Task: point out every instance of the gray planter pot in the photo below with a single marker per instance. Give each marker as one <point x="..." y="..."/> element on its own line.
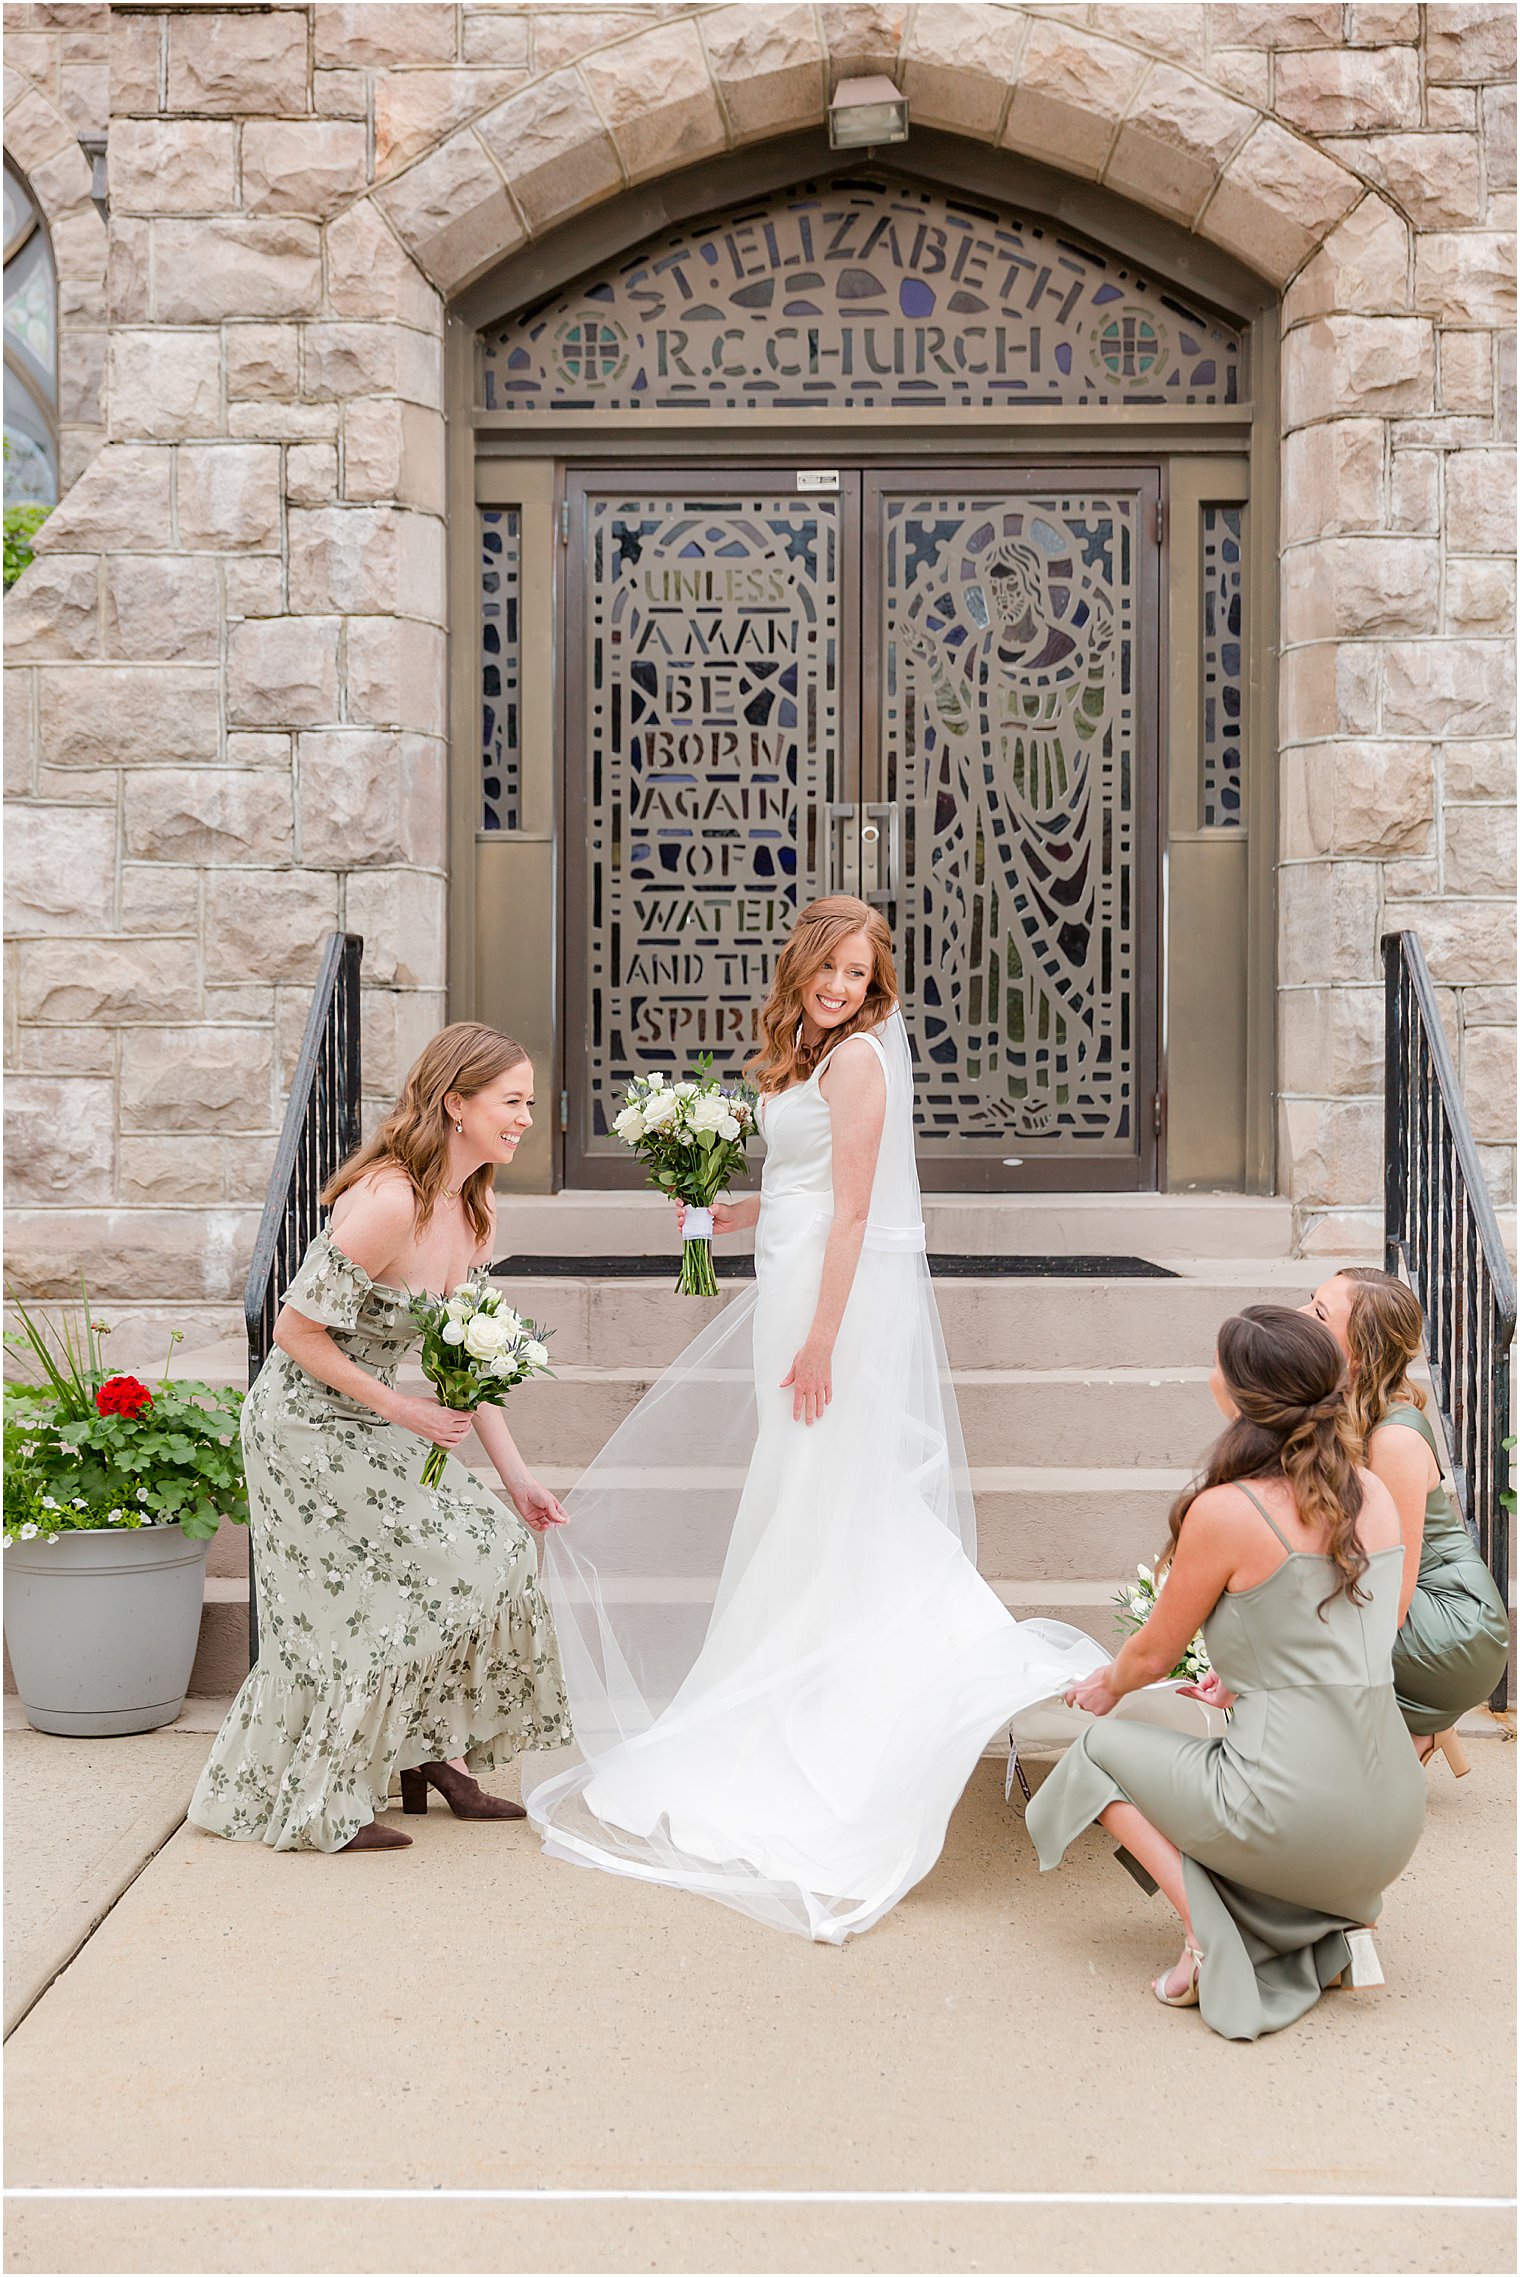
<point x="102" y="1627"/>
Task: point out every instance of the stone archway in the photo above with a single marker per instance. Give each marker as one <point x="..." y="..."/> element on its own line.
<point x="46" y="148"/>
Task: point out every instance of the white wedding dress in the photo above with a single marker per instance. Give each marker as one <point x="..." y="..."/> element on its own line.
<point x="781" y="1660"/>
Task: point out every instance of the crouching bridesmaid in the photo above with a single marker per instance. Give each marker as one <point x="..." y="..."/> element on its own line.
<point x="400" y="1626"/>
<point x="1276" y="1842"/>
<point x="1453" y="1642"/>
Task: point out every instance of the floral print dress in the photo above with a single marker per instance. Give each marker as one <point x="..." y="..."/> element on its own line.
<point x="397" y="1624"/>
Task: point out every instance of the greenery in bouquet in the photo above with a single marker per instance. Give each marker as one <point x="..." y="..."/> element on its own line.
<point x="88" y="1449"/>
<point x="691" y="1138"/>
<point x="1135" y="1604"/>
<point x="475" y="1349"/>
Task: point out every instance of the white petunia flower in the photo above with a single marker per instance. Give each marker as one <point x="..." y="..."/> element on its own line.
<point x="28" y="1532"/>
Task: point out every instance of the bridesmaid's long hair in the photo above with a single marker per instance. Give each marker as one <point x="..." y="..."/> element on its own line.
<point x="781" y="1058"/>
<point x="415" y="1134"/>
<point x="1285" y="1374"/>
<point x="1383" y="1333"/>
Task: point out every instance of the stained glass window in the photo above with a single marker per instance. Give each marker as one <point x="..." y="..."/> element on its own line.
<point x="1223" y="680"/>
<point x="500" y="668"/>
<point x="862" y="292"/>
<point x="31" y="351"/>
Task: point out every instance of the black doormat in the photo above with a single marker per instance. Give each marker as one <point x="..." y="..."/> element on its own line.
<point x="943" y="1268"/>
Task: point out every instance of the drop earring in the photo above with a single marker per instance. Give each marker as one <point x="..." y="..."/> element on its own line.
<point x="459" y="1127"/>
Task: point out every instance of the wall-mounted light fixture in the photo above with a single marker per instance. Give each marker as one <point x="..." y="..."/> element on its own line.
<point x="865" y="112"/>
<point x="94" y="148"/>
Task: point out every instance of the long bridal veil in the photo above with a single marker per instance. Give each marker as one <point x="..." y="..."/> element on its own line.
<point x="781" y="1661"/>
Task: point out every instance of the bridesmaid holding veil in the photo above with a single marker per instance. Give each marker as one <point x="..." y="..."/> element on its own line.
<point x="781" y="1660"/>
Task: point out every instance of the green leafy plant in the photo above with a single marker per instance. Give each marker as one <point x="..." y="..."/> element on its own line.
<point x="83" y="1448"/>
<point x="21" y="525"/>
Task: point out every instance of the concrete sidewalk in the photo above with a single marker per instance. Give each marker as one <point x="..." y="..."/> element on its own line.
<point x="468" y="2016"/>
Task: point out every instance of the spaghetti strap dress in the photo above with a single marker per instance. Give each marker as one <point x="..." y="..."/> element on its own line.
<point x="398" y="1624"/>
<point x="1451" y="1649"/>
<point x="1294" y="1823"/>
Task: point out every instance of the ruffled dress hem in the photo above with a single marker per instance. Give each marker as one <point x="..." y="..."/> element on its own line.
<point x="329" y="1750"/>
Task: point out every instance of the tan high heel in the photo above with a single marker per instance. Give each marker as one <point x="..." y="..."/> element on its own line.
<point x="1188" y="1997"/>
<point x="1364" y="1971"/>
<point x="1445" y="1743"/>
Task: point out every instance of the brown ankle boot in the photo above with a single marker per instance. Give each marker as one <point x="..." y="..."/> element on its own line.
<point x="378" y="1837"/>
<point x="465" y="1796"/>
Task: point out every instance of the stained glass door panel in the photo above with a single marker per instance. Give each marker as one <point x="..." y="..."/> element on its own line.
<point x="711" y="725"/>
<point x="1010" y="739"/>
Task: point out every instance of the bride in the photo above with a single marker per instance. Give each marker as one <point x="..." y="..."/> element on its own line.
<point x="781" y="1660"/>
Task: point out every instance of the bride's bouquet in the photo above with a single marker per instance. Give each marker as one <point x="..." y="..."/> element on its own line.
<point x="475" y="1349"/>
<point x="690" y="1138"/>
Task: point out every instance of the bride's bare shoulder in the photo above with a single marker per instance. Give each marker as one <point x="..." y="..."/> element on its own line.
<point x="854" y="1067"/>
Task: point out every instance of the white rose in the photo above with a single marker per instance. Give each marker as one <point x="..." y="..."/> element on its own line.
<point x="708" y="1113"/>
<point x="484" y="1337"/>
<point x="453" y="1331"/>
<point x="537" y="1353"/>
<point x="729" y="1127"/>
<point x="629" y="1125"/>
<point x="686" y="1090"/>
<point x="503" y="1365"/>
<point x="657" y="1083"/>
<point x="660" y="1111"/>
<point x="459" y="1306"/>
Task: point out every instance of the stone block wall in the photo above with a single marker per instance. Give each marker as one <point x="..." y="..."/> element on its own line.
<point x="226" y="717"/>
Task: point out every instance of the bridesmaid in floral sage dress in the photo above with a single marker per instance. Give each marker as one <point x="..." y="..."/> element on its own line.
<point x="401" y="1628"/>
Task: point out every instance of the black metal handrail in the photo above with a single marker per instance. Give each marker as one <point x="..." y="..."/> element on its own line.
<point x="321" y="1128"/>
<point x="1439" y="1229"/>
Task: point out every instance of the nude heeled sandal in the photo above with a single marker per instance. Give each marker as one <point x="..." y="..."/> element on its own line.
<point x="1364" y="1971"/>
<point x="1188" y="1997"/>
<point x="1446" y="1743"/>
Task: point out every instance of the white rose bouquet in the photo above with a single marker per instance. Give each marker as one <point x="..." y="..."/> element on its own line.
<point x="475" y="1348"/>
<point x="691" y="1138"/>
<point x="1135" y="1604"/>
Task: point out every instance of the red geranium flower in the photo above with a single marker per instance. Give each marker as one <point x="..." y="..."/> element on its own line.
<point x="123" y="1395"/>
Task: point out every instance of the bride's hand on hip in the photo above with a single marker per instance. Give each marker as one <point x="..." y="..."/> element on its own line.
<point x="430" y="1419"/>
<point x="1094" y="1693"/>
<point x="810" y="1379"/>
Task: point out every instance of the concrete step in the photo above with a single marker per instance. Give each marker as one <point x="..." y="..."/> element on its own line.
<point x="221" y="1656"/>
<point x="580" y="1223"/>
<point x="990" y="1322"/>
<point x="1127" y="1416"/>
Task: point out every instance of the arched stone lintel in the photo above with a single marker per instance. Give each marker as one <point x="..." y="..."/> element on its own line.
<point x="645" y="108"/>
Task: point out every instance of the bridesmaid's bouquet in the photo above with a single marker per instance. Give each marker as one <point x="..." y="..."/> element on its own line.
<point x="475" y="1349"/>
<point x="690" y="1138"/>
<point x="1135" y="1604"/>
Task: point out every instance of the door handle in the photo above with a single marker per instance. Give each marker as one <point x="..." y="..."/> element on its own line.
<point x="843" y="870"/>
<point x="881" y="851"/>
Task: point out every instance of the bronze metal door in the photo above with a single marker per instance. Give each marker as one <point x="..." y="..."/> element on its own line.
<point x="713" y="754"/>
<point x="935" y="689"/>
<point x="1009" y="678"/>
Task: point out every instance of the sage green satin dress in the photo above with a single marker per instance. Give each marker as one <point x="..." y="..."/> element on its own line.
<point x="1291" y="1825"/>
<point x="1449" y="1655"/>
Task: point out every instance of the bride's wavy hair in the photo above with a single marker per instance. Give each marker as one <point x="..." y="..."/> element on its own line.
<point x="1384" y="1329"/>
<point x="415" y="1134"/>
<point x="781" y="1058"/>
<point x="1285" y="1373"/>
